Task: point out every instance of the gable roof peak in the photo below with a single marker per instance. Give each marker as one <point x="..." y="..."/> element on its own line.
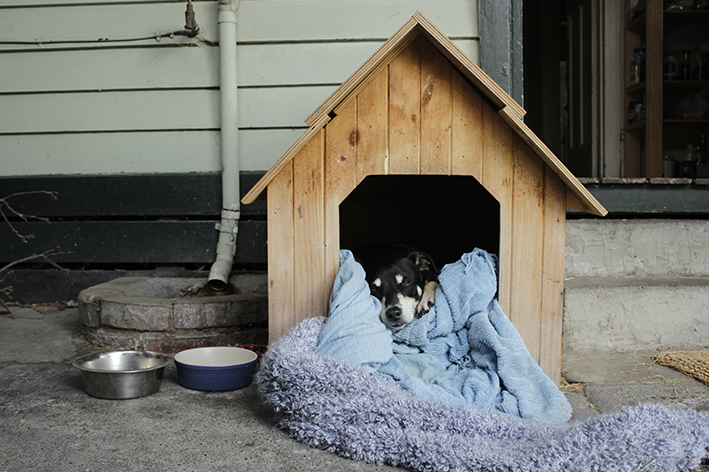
<point x="505" y="106"/>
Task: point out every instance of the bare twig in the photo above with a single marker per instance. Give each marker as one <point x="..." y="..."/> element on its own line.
<point x="6" y="309"/>
<point x="6" y="291"/>
<point x="45" y="255"/>
<point x="4" y="203"/>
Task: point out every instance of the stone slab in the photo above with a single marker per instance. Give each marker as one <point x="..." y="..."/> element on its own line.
<point x="636" y="313"/>
<point x="644" y="248"/>
<point x="617" y="379"/>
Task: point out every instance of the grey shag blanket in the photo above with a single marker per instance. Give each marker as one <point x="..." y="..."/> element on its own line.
<point x="327" y="404"/>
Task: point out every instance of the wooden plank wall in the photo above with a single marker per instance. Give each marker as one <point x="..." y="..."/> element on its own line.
<point x="146" y="106"/>
<point x="419" y="116"/>
<point x="108" y="226"/>
<point x="126" y="219"/>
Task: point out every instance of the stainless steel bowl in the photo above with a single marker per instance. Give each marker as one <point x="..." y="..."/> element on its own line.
<point x="122" y="374"/>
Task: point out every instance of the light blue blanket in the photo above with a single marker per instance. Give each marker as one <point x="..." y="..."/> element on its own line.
<point x="464" y="351"/>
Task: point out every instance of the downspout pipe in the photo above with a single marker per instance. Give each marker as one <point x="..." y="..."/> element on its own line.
<point x="231" y="207"/>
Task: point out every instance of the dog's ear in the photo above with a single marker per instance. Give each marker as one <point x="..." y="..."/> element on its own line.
<point x="423" y="262"/>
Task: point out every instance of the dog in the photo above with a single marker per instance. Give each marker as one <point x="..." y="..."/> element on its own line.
<point x="405" y="282"/>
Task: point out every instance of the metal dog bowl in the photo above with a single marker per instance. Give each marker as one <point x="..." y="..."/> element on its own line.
<point x="122" y="374"/>
<point x="215" y="368"/>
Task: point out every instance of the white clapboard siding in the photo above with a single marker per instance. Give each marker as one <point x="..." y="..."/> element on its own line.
<point x="117" y="21"/>
<point x="287" y="20"/>
<point x="258" y="20"/>
<point x="45" y="3"/>
<point x="153" y="106"/>
<point x="166" y="110"/>
<point x="144" y="68"/>
<point x="109" y="69"/>
<point x="137" y="152"/>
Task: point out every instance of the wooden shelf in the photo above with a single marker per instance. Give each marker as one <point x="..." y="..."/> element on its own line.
<point x="686" y="15"/>
<point x="637" y="23"/>
<point x="636" y="88"/>
<point x="636" y="126"/>
<point x="686" y="122"/>
<point x="685" y="84"/>
<point x="648" y="141"/>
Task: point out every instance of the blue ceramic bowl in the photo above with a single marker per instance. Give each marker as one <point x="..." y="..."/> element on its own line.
<point x="215" y="368"/>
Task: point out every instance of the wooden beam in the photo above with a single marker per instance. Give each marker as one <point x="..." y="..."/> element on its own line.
<point x="131" y="242"/>
<point x="281" y="280"/>
<point x="405" y="110"/>
<point x="126" y="195"/>
<point x="436" y="106"/>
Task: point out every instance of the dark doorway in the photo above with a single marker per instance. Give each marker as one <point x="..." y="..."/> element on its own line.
<point x="445" y="216"/>
<point x="558" y="78"/>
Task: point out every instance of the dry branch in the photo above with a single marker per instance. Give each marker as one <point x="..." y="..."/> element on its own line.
<point x="4" y="203"/>
<point x="6" y="291"/>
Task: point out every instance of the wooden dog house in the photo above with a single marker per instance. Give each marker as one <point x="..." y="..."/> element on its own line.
<point x="419" y="108"/>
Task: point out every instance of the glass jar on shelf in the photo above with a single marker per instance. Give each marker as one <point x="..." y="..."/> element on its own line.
<point x="637" y="66"/>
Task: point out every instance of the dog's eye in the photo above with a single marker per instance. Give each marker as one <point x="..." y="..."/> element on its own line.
<point x="405" y="282"/>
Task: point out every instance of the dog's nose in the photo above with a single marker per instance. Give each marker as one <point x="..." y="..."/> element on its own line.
<point x="393" y="313"/>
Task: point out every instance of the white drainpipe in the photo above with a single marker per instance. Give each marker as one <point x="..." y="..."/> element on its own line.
<point x="229" y="226"/>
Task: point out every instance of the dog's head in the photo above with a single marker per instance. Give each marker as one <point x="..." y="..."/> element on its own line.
<point x="398" y="279"/>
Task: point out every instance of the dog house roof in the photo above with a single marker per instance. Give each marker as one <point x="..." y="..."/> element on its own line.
<point x="506" y="107"/>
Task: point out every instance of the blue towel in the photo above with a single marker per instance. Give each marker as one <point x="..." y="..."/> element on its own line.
<point x="464" y="351"/>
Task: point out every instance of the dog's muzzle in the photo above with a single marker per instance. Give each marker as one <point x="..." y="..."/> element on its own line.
<point x="393" y="314"/>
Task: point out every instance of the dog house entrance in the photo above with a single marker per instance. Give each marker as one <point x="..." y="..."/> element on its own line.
<point x="445" y="216"/>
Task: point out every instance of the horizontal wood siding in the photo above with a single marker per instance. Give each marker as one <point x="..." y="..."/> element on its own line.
<point x="127" y="219"/>
<point x="145" y="105"/>
<point x="134" y="151"/>
<point x="131" y="242"/>
<point x="171" y="109"/>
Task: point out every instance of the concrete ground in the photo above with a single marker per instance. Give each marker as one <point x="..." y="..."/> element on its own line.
<point x="48" y="422"/>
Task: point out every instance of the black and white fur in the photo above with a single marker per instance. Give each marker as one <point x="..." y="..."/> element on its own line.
<point x="405" y="282"/>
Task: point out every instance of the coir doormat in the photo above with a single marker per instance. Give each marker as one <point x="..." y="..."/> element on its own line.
<point x="692" y="363"/>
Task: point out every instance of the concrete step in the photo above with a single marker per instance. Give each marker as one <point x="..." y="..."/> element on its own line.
<point x="640" y="248"/>
<point x="630" y="313"/>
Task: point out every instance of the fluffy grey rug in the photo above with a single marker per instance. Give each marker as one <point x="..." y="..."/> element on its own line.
<point x="329" y="405"/>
